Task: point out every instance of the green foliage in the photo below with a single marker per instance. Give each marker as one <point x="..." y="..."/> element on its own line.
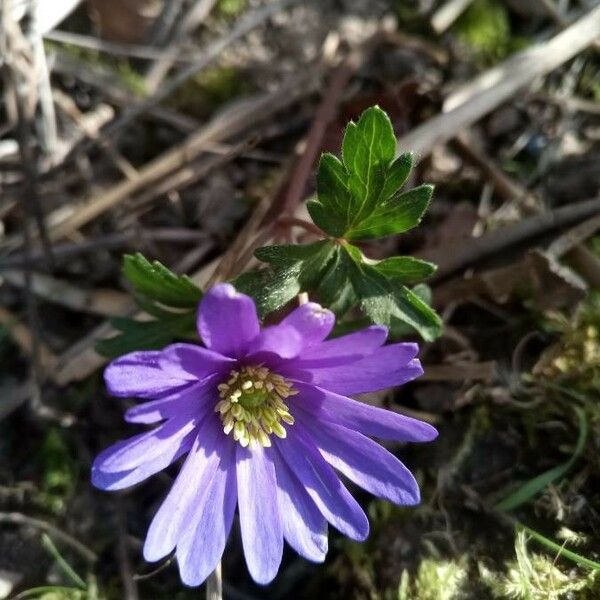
<point x="358" y="197"/>
<point x="157" y="283"/>
<point x="171" y="299"/>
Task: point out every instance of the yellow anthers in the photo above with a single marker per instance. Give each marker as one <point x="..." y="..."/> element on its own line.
<point x="251" y="405"/>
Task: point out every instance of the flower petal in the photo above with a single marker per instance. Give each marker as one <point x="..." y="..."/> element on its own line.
<point x="387" y="367"/>
<point x="277" y="341"/>
<point x="190" y="361"/>
<point x="304" y="527"/>
<point x="313" y="323"/>
<point x="262" y="536"/>
<point x="139" y="374"/>
<point x="227" y="320"/>
<point x="364" y="462"/>
<point x="195" y="398"/>
<point x="198" y="470"/>
<point x="369" y="420"/>
<point x="145" y="447"/>
<point x="344" y="349"/>
<point x="118" y="481"/>
<point x="322" y="484"/>
<point x="202" y="544"/>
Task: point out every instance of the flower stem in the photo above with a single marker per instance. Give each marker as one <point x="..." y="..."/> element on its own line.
<point x="214" y="585"/>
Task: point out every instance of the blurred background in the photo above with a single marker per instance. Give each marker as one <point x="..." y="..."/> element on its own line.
<point x="189" y="130"/>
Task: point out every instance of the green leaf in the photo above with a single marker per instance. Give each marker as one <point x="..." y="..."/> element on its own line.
<point x="396" y="216"/>
<point x="367" y="149"/>
<point x="537" y="484"/>
<point x="405" y="269"/>
<point x="397" y="175"/>
<point x="146" y="335"/>
<point x="270" y="289"/>
<point x="294" y="268"/>
<point x="155" y="281"/>
<point x="411" y="309"/>
<point x="335" y="288"/>
<point x="383" y="301"/>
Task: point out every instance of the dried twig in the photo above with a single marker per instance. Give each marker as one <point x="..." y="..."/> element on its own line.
<point x="495" y="86"/>
<point x="477" y="249"/>
<point x="221" y="128"/>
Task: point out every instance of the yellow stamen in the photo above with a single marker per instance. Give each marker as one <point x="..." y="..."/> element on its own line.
<point x="251" y="405"/>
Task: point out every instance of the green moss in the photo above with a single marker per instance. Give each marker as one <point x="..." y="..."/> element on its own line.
<point x="208" y="90"/>
<point x="532" y="576"/>
<point x="59" y="471"/>
<point x="485" y="28"/>
<point x="230" y="8"/>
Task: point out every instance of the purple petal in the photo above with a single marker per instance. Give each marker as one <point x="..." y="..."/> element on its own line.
<point x="304" y="527"/>
<point x="277" y="341"/>
<point x="322" y="484"/>
<point x="227" y="320"/>
<point x="312" y="322"/>
<point x="262" y="536"/>
<point x="198" y="470"/>
<point x="119" y="481"/>
<point x="203" y="541"/>
<point x="147" y="446"/>
<point x="139" y="374"/>
<point x="369" y="420"/>
<point x="387" y="367"/>
<point x="193" y="400"/>
<point x="192" y="362"/>
<point x="363" y="461"/>
<point x="343" y="350"/>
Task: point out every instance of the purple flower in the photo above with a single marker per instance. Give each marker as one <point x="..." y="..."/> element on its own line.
<point x="264" y="418"/>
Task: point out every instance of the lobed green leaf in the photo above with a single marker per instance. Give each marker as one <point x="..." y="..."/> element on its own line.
<point x="158" y="283"/>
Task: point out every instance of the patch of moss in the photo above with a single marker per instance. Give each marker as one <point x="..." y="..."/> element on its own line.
<point x="208" y="90"/>
<point x="537" y="577"/>
<point x="59" y="471"/>
<point x="575" y="359"/>
<point x="230" y="8"/>
<point x="485" y="28"/>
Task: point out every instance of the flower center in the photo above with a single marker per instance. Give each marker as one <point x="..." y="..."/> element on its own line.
<point x="252" y="406"/>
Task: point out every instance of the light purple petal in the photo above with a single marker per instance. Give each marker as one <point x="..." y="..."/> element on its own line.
<point x="304" y="527"/>
<point x="145" y="447"/>
<point x="312" y="322"/>
<point x="262" y="536"/>
<point x="139" y="374"/>
<point x="198" y="470"/>
<point x="369" y="420"/>
<point x="344" y="349"/>
<point x="118" y="481"/>
<point x="387" y="367"/>
<point x="193" y="362"/>
<point x="205" y="534"/>
<point x="363" y="461"/>
<point x="227" y="320"/>
<point x="195" y="398"/>
<point x="277" y="341"/>
<point x="322" y="484"/>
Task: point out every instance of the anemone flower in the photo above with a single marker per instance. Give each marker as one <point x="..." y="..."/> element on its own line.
<point x="266" y="421"/>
